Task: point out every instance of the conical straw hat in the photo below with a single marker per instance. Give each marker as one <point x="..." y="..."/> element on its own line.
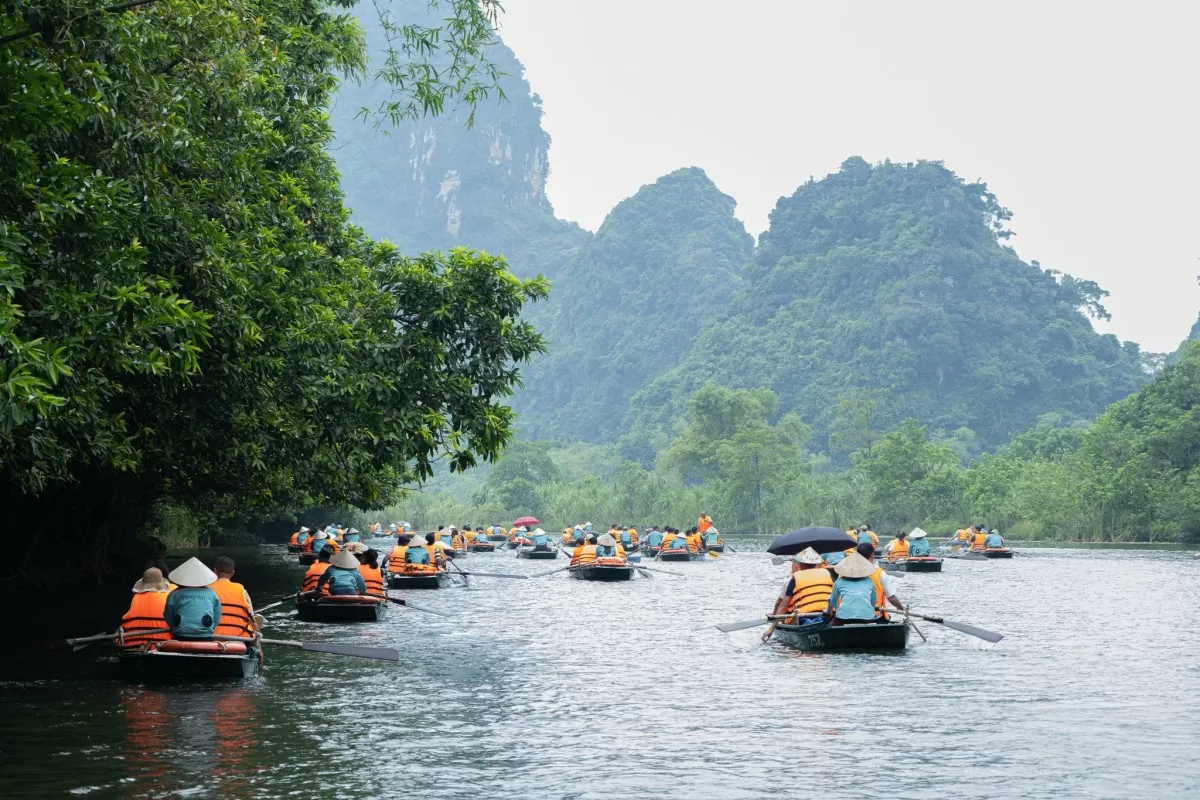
<point x="855" y="566"/>
<point x="606" y="539"/>
<point x="192" y="574"/>
<point x="808" y="556"/>
<point x="345" y="560"/>
<point x="917" y="533"/>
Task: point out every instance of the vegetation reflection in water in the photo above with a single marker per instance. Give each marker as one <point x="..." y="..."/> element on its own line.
<point x="546" y="687"/>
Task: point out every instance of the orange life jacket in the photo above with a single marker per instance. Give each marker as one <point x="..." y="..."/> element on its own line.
<point x="978" y="539"/>
<point x="693" y="543"/>
<point x="880" y="596"/>
<point x="373" y="577"/>
<point x="899" y="549"/>
<point x="704" y="524"/>
<point x="667" y="539"/>
<point x="633" y="535"/>
<point x="587" y="554"/>
<point x="396" y="559"/>
<point x="295" y="540"/>
<point x="810" y="591"/>
<point x="236" y="619"/>
<point x="310" y="578"/>
<point x="578" y="551"/>
<point x="145" y="612"/>
<point x="962" y="535"/>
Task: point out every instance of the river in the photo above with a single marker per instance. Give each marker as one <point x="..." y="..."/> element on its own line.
<point x="558" y="688"/>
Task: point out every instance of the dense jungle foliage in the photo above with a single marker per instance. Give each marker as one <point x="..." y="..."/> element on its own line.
<point x="187" y="317"/>
<point x="1134" y="475"/>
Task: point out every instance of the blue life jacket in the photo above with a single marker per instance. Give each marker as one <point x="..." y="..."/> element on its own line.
<point x="626" y="538"/>
<point x="351" y="537"/>
<point x="865" y="538"/>
<point x="834" y="558"/>
<point x="446" y="538"/>
<point x="344" y="581"/>
<point x="541" y="540"/>
<point x="654" y="538"/>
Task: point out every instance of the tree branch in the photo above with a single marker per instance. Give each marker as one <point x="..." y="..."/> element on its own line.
<point x="25" y="34"/>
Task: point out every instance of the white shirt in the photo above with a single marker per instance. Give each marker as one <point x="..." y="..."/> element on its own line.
<point x="890" y="583"/>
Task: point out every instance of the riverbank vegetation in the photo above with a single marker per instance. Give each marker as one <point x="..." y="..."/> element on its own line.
<point x="1131" y="476"/>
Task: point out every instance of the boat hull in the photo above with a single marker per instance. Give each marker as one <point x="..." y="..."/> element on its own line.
<point x="675" y="555"/>
<point x="325" y="611"/>
<point x="999" y="553"/>
<point x="306" y="559"/>
<point x="715" y="548"/>
<point x="606" y="574"/>
<point x="917" y="565"/>
<point x="497" y="538"/>
<point x="892" y="636"/>
<point x="481" y="548"/>
<point x="153" y="665"/>
<point x="398" y="581"/>
<point x="293" y="548"/>
<point x="539" y="555"/>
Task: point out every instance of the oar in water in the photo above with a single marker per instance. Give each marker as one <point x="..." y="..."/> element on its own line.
<point x="961" y="627"/>
<point x="379" y="653"/>
<point x="466" y="580"/>
<point x="663" y="571"/>
<point x="408" y="604"/>
<point x="287" y="599"/>
<point x="83" y="641"/>
<point x="730" y="547"/>
<point x="641" y="570"/>
<point x="551" y="572"/>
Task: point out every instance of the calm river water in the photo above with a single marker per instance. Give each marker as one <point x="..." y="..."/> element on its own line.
<point x="559" y="688"/>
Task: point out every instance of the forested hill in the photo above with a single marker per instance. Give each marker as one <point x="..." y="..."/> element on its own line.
<point x="436" y="184"/>
<point x="890" y="287"/>
<point x="628" y="305"/>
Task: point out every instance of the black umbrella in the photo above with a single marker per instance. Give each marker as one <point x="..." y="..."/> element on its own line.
<point x="823" y="540"/>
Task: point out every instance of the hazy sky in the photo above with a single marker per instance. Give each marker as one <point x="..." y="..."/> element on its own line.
<point x="1081" y="116"/>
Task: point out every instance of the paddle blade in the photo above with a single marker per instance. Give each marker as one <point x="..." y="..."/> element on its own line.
<point x="777" y="560"/>
<point x="378" y="653"/>
<point x="727" y="627"/>
<point x="713" y="555"/>
<point x="971" y="630"/>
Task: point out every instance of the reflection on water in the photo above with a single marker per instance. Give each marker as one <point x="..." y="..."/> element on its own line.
<point x="559" y="688"/>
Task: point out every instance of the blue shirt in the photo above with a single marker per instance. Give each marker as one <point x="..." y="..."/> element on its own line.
<point x="343" y="581"/>
<point x="678" y="543"/>
<point x="541" y="540"/>
<point x="919" y="547"/>
<point x="654" y="538"/>
<point x="193" y="613"/>
<point x="302" y="538"/>
<point x="853" y="598"/>
<point x="993" y="540"/>
<point x="351" y="537"/>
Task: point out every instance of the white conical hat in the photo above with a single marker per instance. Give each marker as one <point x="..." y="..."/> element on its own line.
<point x="606" y="539"/>
<point x="917" y="533"/>
<point x="345" y="560"/>
<point x="192" y="574"/>
<point x="539" y="532"/>
<point x="808" y="556"/>
<point x="303" y="530"/>
<point x="854" y="566"/>
<point x="354" y="547"/>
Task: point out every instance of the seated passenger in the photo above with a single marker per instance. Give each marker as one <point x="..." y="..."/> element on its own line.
<point x="192" y="611"/>
<point x="343" y="577"/>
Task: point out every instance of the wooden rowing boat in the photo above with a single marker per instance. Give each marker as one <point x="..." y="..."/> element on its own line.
<point x="602" y="572"/>
<point x="306" y="559"/>
<point x="481" y="547"/>
<point x="295" y="548"/>
<point x="537" y="554"/>
<point x="715" y="548"/>
<point x="822" y="637"/>
<point x="496" y="537"/>
<point x="915" y="564"/>
<point x="353" y="608"/>
<point x="512" y="544"/>
<point x="651" y="550"/>
<point x="174" y="660"/>
<point x="400" y="580"/>
<point x="996" y="552"/>
<point x="678" y="555"/>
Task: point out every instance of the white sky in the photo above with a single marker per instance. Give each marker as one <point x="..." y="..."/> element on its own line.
<point x="1081" y="116"/>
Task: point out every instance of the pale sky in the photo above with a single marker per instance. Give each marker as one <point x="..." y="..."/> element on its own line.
<point x="1081" y="116"/>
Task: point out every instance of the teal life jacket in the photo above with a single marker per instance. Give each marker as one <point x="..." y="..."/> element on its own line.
<point x="854" y="598"/>
<point x="993" y="540"/>
<point x="446" y="538"/>
<point x="541" y="540"/>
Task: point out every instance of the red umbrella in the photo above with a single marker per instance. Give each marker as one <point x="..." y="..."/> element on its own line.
<point x="525" y="521"/>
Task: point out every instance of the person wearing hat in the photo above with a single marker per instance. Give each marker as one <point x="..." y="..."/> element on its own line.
<point x="865" y="534"/>
<point x="299" y="537"/>
<point x="352" y="535"/>
<point x="993" y="539"/>
<point x="368" y="567"/>
<point x="855" y="598"/>
<point x="147" y="611"/>
<point x="316" y="542"/>
<point x="806" y="594"/>
<point x="193" y="610"/>
<point x="608" y="547"/>
<point x="919" y="547"/>
<point x="580" y="535"/>
<point x="898" y="547"/>
<point x="540" y="539"/>
<point x="884" y="583"/>
<point x="343" y="576"/>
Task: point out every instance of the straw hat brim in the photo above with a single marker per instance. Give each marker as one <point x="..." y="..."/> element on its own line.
<point x="606" y="540"/>
<point x="917" y="533"/>
<point x="345" y="560"/>
<point x="855" y="566"/>
<point x="192" y="574"/>
<point x="354" y="547"/>
<point x="808" y="556"/>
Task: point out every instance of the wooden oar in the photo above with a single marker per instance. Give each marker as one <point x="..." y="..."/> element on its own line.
<point x="466" y="581"/>
<point x="83" y="641"/>
<point x="498" y="575"/>
<point x="379" y="653"/>
<point x="727" y="627"/>
<point x="408" y="604"/>
<point x="287" y="599"/>
<point x="664" y="571"/>
<point x="961" y="627"/>
<point x="551" y="572"/>
<point x="727" y="544"/>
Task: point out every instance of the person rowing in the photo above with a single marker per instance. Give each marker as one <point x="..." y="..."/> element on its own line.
<point x="806" y="593"/>
<point x="897" y="548"/>
<point x="343" y="577"/>
<point x="193" y="610"/>
<point x="540" y="540"/>
<point x="885" y="583"/>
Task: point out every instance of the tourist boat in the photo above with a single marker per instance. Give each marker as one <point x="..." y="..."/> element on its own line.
<point x="417" y="580"/>
<point x="306" y="559"/>
<point x="678" y="555"/>
<point x="531" y="552"/>
<point x="513" y="544"/>
<point x="821" y="637"/>
<point x="915" y="564"/>
<point x="480" y="547"/>
<point x="997" y="552"/>
<point x="604" y="569"/>
<point x="497" y="537"/>
<point x="716" y="548"/>
<point x="651" y="550"/>
<point x="295" y="548"/>
<point x="343" y="608"/>
<point x="174" y="660"/>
